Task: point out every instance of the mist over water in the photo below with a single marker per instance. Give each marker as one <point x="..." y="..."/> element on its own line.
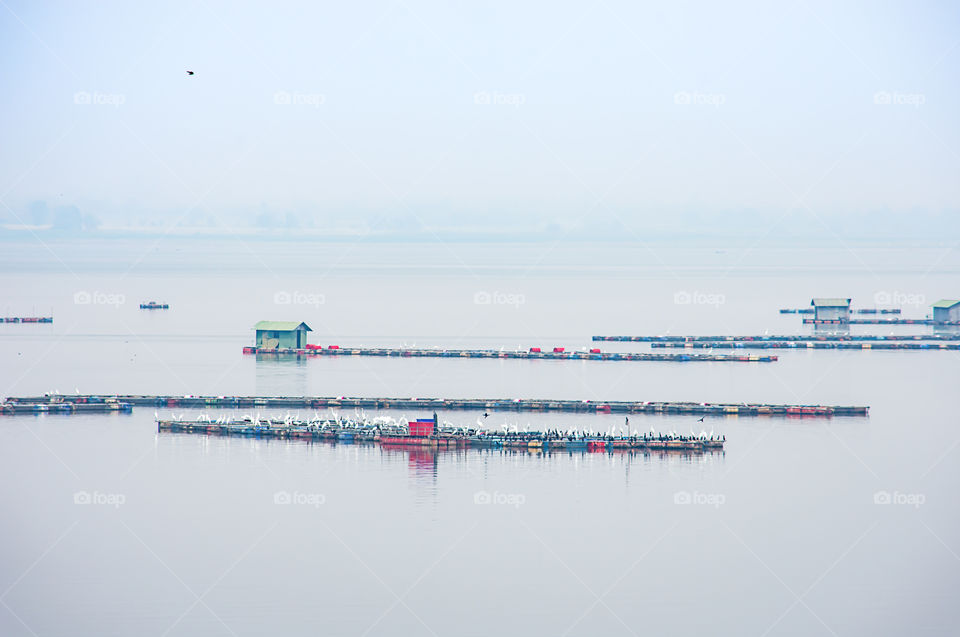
<point x="799" y="527"/>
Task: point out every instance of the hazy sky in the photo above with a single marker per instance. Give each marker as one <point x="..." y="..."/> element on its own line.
<point x="468" y="107"/>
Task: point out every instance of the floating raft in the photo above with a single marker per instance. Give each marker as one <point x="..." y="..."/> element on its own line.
<point x="524" y="355"/>
<point x="27" y="319"/>
<point x="475" y="404"/>
<point x="863" y="310"/>
<point x="351" y="433"/>
<point x="877" y="321"/>
<point x="808" y="345"/>
<point x="802" y="338"/>
<point x="11" y="408"/>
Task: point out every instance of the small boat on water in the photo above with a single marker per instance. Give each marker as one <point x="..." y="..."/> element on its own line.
<point x="153" y="305"/>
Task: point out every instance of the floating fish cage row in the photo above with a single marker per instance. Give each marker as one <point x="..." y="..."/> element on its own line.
<point x="800" y="338"/>
<point x="476" y="404"/>
<point x="477" y="440"/>
<point x="27" y="319"/>
<point x="877" y="321"/>
<point x="525" y="355"/>
<point x="808" y="345"/>
<point x="64" y="407"/>
<point x="862" y="310"/>
<point x="153" y="305"/>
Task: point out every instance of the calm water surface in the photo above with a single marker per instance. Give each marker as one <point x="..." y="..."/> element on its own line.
<point x="782" y="534"/>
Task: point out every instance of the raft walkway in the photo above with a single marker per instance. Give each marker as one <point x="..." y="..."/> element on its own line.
<point x="26" y="319"/>
<point x="862" y="310"/>
<point x="800" y="338"/>
<point x="474" y="404"/>
<point x="449" y="437"/>
<point x="558" y="354"/>
<point x="12" y="408"/>
<point x="901" y="346"/>
<point x="877" y="321"/>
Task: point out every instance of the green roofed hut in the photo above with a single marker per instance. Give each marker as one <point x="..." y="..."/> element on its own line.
<point x="946" y="311"/>
<point x="831" y="309"/>
<point x="281" y="334"/>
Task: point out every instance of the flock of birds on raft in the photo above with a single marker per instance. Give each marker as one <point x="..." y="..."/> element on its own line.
<point x="362" y="427"/>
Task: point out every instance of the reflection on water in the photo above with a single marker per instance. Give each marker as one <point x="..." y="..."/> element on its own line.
<point x="281" y="374"/>
<point x="422" y="468"/>
<point x="424" y="463"/>
<point x="947" y="330"/>
<point x="837" y="329"/>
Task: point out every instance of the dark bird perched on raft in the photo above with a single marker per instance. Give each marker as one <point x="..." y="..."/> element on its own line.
<point x="485" y="414"/>
<point x="701" y="418"/>
<point x="189" y="72"/>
